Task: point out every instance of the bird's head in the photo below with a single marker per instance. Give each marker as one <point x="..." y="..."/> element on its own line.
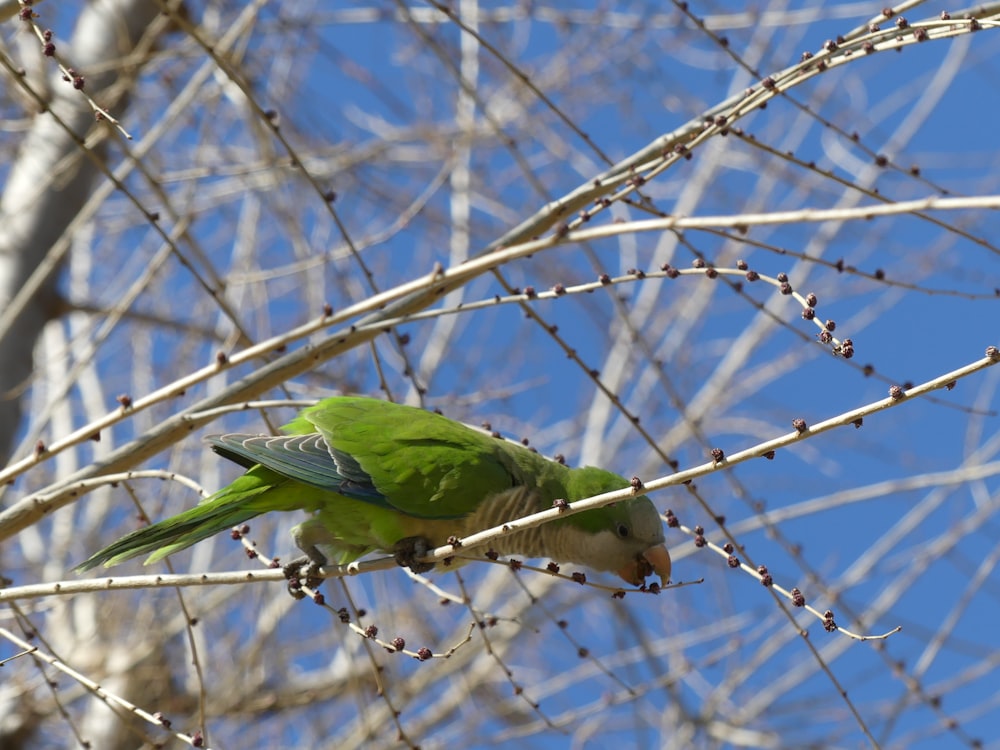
<point x="625" y="538"/>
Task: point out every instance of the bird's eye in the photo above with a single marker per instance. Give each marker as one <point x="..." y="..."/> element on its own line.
<point x="623" y="531"/>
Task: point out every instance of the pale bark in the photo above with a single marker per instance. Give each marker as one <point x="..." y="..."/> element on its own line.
<point x="49" y="182"/>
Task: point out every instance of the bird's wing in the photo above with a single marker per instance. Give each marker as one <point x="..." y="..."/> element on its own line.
<point x="304" y="458"/>
<point x="421" y="463"/>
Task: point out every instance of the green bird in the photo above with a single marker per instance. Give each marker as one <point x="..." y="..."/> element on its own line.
<point x="380" y="476"/>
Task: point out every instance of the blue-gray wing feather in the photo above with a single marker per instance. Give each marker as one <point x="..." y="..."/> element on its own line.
<point x="304" y="458"/>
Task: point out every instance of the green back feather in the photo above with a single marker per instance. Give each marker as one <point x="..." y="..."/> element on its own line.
<point x="424" y="464"/>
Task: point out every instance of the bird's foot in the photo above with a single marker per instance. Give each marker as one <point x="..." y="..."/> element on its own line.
<point x="303" y="571"/>
<point x="409" y="550"/>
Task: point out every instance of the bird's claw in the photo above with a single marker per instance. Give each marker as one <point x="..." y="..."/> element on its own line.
<point x="409" y="550"/>
<point x="303" y="571"/>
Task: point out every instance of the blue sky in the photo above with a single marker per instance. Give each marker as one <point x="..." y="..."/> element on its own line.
<point x="651" y="86"/>
<point x="372" y="104"/>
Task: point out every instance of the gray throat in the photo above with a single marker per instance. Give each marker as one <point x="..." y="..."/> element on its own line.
<point x="554" y="540"/>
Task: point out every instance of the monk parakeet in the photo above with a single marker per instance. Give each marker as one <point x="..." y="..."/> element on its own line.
<point x="380" y="476"/>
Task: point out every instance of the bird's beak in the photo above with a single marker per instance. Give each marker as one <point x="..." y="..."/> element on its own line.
<point x="654" y="560"/>
<point x="659" y="559"/>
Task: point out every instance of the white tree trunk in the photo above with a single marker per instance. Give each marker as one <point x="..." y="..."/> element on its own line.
<point x="48" y="184"/>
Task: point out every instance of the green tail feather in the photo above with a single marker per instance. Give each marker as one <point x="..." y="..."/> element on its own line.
<point x="242" y="500"/>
